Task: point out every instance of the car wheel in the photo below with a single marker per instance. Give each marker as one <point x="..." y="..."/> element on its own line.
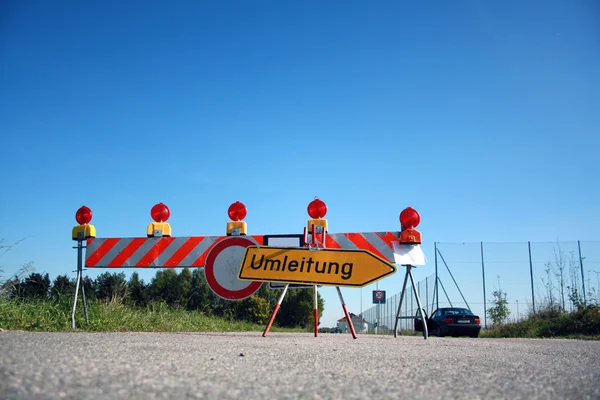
<point x="438" y="331"/>
<point x="474" y="335"/>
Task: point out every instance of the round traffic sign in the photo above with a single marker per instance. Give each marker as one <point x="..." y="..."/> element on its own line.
<point x="222" y="266"/>
<point x="379" y="295"/>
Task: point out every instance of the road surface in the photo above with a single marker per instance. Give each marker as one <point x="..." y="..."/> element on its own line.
<point x="292" y="365"/>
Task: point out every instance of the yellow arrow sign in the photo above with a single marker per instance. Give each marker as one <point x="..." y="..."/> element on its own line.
<point x="336" y="267"/>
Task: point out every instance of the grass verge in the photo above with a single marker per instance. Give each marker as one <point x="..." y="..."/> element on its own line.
<point x="51" y="316"/>
<point x="552" y="323"/>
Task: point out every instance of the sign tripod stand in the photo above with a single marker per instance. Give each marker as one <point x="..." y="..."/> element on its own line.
<point x="421" y="311"/>
<point x="316" y="245"/>
<point x="84" y="231"/>
<point x="78" y="283"/>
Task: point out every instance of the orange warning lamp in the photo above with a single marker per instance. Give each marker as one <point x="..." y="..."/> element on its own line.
<point x="237" y="212"/>
<point x="160" y="213"/>
<point x="409" y="220"/>
<point x="317" y="209"/>
<point x="84" y="230"/>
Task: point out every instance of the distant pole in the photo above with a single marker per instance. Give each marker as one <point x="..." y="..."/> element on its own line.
<point x="518" y="316"/>
<point x="589" y="285"/>
<point x="531" y="277"/>
<point x="377" y="319"/>
<point x="597" y="286"/>
<point x="412" y="305"/>
<point x="484" y="297"/>
<point x="427" y="296"/>
<point x="377" y="305"/>
<point x="361" y="308"/>
<point x="437" y="293"/>
<point x="582" y="277"/>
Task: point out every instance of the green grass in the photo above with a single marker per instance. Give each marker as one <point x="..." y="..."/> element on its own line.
<point x="55" y="316"/>
<point x="51" y="316"/>
<point x="582" y="324"/>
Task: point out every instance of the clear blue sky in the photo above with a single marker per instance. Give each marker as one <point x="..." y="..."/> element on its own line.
<point x="484" y="116"/>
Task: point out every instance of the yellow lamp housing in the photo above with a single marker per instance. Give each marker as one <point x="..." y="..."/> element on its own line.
<point x="319" y="223"/>
<point x="83" y="232"/>
<point x="236" y="228"/>
<point x="159" y="229"/>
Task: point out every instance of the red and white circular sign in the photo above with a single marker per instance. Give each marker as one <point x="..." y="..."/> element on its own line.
<point x="379" y="295"/>
<point x="222" y="266"/>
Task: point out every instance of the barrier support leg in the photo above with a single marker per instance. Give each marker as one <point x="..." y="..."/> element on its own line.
<point x="276" y="310"/>
<point x="350" y="323"/>
<point x="79" y="272"/>
<point x="316" y="311"/>
<point x="421" y="310"/>
<point x="400" y="305"/>
<point x="87" y="320"/>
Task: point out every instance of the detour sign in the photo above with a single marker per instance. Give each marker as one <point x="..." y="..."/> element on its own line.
<point x="335" y="267"/>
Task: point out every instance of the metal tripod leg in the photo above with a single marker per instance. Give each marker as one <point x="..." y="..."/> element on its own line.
<point x="421" y="311"/>
<point x="79" y="273"/>
<point x="316" y="310"/>
<point x="75" y="298"/>
<point x="87" y="321"/>
<point x="400" y="305"/>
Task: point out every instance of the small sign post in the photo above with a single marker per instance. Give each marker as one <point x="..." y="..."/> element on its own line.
<point x="378" y="296"/>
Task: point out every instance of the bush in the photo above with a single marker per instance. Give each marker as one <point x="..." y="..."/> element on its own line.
<point x="254" y="309"/>
<point x="552" y="322"/>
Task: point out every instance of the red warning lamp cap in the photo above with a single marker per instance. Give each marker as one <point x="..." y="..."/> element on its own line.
<point x="237" y="211"/>
<point x="83" y="215"/>
<point x="317" y="209"/>
<point x="409" y="218"/>
<point x="160" y="212"/>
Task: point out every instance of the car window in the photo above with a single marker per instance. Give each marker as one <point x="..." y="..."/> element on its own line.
<point x="457" y="311"/>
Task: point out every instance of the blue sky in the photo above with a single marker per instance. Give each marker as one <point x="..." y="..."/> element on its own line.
<point x="483" y="116"/>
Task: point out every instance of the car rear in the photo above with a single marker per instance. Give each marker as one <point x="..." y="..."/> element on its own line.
<point x="462" y="324"/>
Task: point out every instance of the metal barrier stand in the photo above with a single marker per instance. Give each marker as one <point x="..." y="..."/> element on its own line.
<point x="316" y="245"/>
<point x="421" y="310"/>
<point x="79" y="248"/>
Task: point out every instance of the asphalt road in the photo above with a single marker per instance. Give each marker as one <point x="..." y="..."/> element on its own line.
<point x="282" y="366"/>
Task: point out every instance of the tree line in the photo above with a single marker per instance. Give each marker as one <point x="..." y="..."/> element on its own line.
<point x="186" y="289"/>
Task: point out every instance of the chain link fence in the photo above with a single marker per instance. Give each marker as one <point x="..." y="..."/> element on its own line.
<point x="530" y="276"/>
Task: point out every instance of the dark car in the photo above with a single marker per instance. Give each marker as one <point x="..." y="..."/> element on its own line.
<point x="450" y="321"/>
